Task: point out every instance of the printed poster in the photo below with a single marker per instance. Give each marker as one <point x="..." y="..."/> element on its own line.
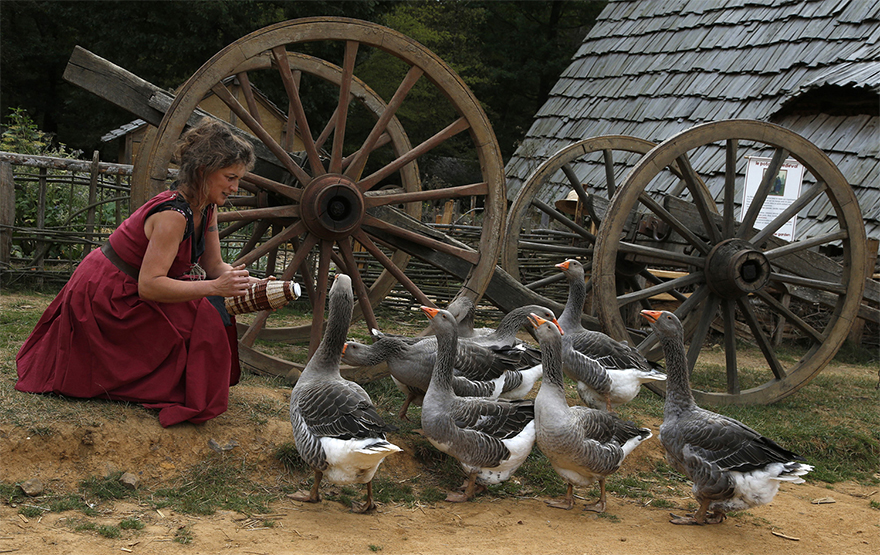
<point x="784" y="190"/>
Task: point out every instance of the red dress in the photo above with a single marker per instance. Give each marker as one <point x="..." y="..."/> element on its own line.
<point x="98" y="338"/>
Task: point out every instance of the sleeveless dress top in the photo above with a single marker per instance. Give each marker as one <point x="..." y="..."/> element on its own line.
<point x="99" y="339"/>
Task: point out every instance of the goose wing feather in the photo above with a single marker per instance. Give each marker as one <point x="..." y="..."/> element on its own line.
<point x="608" y="352"/>
<point x="342" y="411"/>
<point x="584" y="368"/>
<point x="730" y="444"/>
<point x="501" y="419"/>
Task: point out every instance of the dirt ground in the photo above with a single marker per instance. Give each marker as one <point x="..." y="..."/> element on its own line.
<point x="810" y="518"/>
<point x="795" y="522"/>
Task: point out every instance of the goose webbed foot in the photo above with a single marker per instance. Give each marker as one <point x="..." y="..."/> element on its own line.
<point x="466" y="491"/>
<point x="367" y="505"/>
<point x="597" y="507"/>
<point x="702" y="516"/>
<point x="686" y="519"/>
<point x="311" y="496"/>
<point x="567" y="503"/>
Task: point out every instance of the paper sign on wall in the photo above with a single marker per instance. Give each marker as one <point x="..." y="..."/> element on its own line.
<point x="783" y="191"/>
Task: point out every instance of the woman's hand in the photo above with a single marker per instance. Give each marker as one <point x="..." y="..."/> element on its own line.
<point x="233" y="282"/>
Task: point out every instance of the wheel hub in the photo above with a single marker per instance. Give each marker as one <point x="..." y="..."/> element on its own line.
<point x="734" y="268"/>
<point x="332" y="206"/>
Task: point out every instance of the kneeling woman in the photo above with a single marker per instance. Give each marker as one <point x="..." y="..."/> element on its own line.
<point x="136" y="321"/>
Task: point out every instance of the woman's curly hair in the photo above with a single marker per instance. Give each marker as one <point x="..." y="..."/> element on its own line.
<point x="207" y="147"/>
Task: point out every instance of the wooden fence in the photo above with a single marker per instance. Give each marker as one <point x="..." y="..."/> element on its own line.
<point x="54" y="211"/>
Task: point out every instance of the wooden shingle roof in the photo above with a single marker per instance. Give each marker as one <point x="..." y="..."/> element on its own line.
<point x="653" y="69"/>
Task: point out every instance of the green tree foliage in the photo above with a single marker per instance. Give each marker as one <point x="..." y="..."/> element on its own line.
<point x="510" y="53"/>
<point x="21" y="135"/>
<point x="164" y="42"/>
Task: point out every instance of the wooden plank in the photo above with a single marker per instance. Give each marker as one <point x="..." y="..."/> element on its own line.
<point x="113" y="83"/>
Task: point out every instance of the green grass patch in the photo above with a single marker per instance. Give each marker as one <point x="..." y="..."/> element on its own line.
<point x="108" y="487"/>
<point x="31" y="511"/>
<point x="184" y="535"/>
<point x="217" y="482"/>
<point x="131" y="523"/>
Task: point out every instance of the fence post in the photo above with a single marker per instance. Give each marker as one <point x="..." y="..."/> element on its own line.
<point x="7" y="215"/>
<point x="93" y="196"/>
<point x="42" y="245"/>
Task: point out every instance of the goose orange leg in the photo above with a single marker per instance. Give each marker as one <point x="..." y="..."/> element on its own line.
<point x="367" y="505"/>
<point x="467" y="494"/>
<point x="598" y="506"/>
<point x="312" y="496"/>
<point x="702" y="516"/>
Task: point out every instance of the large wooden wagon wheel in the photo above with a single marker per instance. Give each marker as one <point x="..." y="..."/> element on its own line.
<point x="539" y="234"/>
<point x="734" y="277"/>
<point x="349" y="195"/>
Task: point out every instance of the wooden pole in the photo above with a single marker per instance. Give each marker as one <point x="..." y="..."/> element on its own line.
<point x="7" y="215"/>
<point x="93" y="195"/>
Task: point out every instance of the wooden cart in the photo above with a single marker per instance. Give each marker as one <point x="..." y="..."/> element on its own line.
<point x="344" y="177"/>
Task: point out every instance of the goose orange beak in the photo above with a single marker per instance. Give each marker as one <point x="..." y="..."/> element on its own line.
<point x="431" y="312"/>
<point x="563" y="265"/>
<point x="650" y="315"/>
<point x="538" y="321"/>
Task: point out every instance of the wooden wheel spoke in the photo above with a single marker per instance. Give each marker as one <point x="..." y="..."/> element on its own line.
<point x="279" y="53"/>
<point x="670" y="257"/>
<point x="791" y="317"/>
<point x="645" y="273"/>
<point x="462" y="191"/>
<point x="561" y="250"/>
<point x="663" y="287"/>
<point x="357" y="164"/>
<point x="636" y="291"/>
<point x="780" y="220"/>
<point x="383" y="140"/>
<point x="260" y="229"/>
<point x="707" y="315"/>
<point x="728" y="315"/>
<point x="249" y="96"/>
<point x="290" y="231"/>
<point x="293" y="193"/>
<point x="232" y="228"/>
<point x="748" y="220"/>
<point x="561" y="218"/>
<point x="728" y="217"/>
<point x="456" y="127"/>
<point x="695" y="186"/>
<point x="389" y="264"/>
<point x="357" y="284"/>
<point x="608" y="158"/>
<point x="549" y="280"/>
<point x="325" y="134"/>
<point x="810" y="283"/>
<point x="297" y="264"/>
<point x="575" y="183"/>
<point x="797" y="246"/>
<point x="223" y="93"/>
<point x="351" y="48"/>
<point x="287" y="211"/>
<point x="680" y="227"/>
<point x="692" y="302"/>
<point x="760" y="337"/>
<point x="419" y="239"/>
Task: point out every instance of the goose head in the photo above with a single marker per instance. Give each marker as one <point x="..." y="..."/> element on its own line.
<point x="539" y="324"/>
